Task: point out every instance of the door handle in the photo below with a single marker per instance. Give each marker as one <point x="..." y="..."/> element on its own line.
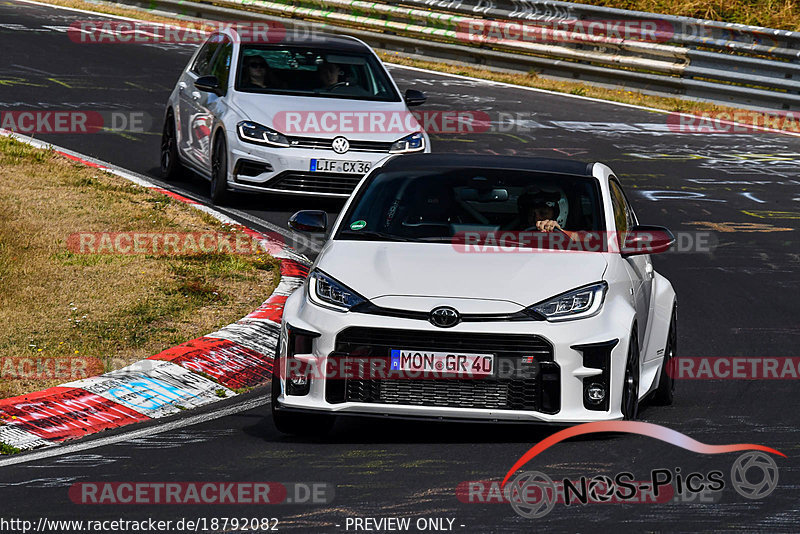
<point x="195" y="95"/>
<point x="182" y="86"/>
<point x="648" y="268"/>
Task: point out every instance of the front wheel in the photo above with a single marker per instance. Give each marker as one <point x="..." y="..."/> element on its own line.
<point x="665" y="394"/>
<point x="171" y="167"/>
<point x="630" y="383"/>
<point x="219" y="171"/>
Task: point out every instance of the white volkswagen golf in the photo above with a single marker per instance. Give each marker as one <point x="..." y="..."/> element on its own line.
<point x="306" y="115"/>
<point x="478" y="288"/>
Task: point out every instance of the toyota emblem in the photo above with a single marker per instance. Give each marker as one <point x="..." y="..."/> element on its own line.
<point x="444" y="317"/>
<point x="341" y="145"/>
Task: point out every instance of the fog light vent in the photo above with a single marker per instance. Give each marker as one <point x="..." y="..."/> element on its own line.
<point x="595" y="393"/>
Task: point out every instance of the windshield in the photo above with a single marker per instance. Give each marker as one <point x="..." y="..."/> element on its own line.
<point x="451" y="205"/>
<point x="313" y="72"/>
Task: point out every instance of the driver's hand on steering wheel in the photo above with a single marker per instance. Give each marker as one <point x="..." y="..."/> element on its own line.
<point x="547" y="225"/>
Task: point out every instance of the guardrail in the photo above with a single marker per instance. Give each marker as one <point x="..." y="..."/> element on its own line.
<point x="739" y="64"/>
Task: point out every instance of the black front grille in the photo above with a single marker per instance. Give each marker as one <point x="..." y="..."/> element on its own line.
<point x="370" y="146"/>
<point x="327" y="144"/>
<point x="342" y="184"/>
<point x="514" y="388"/>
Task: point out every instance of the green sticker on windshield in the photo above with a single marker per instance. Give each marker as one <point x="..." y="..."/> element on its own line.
<point x="358" y="225"/>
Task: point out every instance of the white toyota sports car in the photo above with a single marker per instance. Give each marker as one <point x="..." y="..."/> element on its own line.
<point x="478" y="288"/>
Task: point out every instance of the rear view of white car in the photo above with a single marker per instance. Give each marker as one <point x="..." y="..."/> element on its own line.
<point x="306" y="116"/>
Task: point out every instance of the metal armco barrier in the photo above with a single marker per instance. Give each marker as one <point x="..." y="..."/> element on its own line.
<point x="739" y="64"/>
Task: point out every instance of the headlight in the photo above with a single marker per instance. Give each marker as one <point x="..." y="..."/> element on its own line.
<point x="252" y="132"/>
<point x="576" y="304"/>
<point x="410" y="143"/>
<point x="329" y="293"/>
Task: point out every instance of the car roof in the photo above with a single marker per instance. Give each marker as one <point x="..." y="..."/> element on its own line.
<point x="533" y="164"/>
<point x="328" y="41"/>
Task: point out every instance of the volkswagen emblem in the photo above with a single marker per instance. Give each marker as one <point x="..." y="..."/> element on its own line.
<point x="341" y="145"/>
<point x="444" y="317"/>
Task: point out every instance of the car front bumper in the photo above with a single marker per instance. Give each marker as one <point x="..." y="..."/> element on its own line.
<point x="258" y="168"/>
<point x="568" y="365"/>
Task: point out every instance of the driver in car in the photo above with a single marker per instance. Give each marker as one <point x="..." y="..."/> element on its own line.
<point x="258" y="74"/>
<point x="543" y="211"/>
<point x="329" y="75"/>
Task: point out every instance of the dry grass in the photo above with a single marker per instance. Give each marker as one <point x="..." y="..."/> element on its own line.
<point x="780" y="14"/>
<point x="117" y="309"/>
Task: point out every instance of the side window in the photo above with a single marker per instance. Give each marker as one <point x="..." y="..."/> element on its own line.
<point x="202" y="63"/>
<point x="632" y="220"/>
<point x="221" y="66"/>
<point x="622" y="215"/>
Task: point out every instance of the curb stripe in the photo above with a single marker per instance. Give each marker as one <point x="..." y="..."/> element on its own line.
<point x="225" y="361"/>
<point x="192" y="374"/>
<point x="61" y="413"/>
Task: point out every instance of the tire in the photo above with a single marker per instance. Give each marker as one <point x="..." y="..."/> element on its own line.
<point x="170" y="163"/>
<point x="219" y="172"/>
<point x="310" y="425"/>
<point x="665" y="394"/>
<point x="630" y="382"/>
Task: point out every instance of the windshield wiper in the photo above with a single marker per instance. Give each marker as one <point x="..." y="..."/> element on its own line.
<point x="373" y="235"/>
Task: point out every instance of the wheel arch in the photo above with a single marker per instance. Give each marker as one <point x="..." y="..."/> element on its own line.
<point x="664" y="301"/>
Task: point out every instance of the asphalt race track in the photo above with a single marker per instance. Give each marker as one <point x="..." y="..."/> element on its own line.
<point x="737" y="299"/>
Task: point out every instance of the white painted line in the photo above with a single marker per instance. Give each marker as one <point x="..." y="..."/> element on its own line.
<point x="21" y="439"/>
<point x="143" y="432"/>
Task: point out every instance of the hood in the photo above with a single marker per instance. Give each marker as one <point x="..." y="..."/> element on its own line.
<point x="298" y="115"/>
<point x="396" y="275"/>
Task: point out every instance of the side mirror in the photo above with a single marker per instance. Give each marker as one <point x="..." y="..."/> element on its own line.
<point x="208" y="84"/>
<point x="311" y="221"/>
<point x="647" y="240"/>
<point x="414" y="98"/>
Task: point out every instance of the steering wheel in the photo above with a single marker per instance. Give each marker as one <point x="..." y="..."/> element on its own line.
<point x="534" y="229"/>
<point x="338" y="84"/>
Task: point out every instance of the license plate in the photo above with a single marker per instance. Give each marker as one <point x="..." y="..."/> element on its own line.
<point x="462" y="364"/>
<point x="340" y="166"/>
